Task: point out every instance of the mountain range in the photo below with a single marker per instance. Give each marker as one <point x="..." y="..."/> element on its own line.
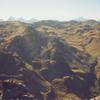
<point x="52" y="60"/>
<point x="21" y="19"/>
<point x="32" y="20"/>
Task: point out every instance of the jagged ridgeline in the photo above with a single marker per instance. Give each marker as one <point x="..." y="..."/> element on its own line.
<point x="49" y="60"/>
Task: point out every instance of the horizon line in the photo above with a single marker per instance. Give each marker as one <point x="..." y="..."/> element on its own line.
<point x="39" y="19"/>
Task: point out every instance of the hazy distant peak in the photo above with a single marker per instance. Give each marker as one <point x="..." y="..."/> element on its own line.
<point x="11" y="18"/>
<point x="32" y="20"/>
<point x="80" y="19"/>
<point x="21" y="19"/>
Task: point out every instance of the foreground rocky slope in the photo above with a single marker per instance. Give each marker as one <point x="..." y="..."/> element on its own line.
<point x="46" y="66"/>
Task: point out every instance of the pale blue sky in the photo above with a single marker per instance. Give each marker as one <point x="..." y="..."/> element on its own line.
<point x="50" y="9"/>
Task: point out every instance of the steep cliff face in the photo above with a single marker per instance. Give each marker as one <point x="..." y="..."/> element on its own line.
<point x="47" y="64"/>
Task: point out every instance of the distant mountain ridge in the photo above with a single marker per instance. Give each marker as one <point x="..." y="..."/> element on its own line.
<point x="32" y="20"/>
<point x="21" y="19"/>
<point x="80" y="19"/>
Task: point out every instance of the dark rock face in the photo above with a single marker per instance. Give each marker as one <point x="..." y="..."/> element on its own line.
<point x="47" y="66"/>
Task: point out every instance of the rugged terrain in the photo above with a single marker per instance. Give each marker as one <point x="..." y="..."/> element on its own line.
<point x="50" y="60"/>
